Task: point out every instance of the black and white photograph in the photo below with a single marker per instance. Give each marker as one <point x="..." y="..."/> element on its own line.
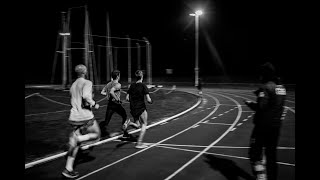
<point x="171" y="89"/>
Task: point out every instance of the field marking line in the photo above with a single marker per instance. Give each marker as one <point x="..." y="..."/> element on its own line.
<point x="217" y="123"/>
<point x="53" y="100"/>
<point x="217" y="154"/>
<point x="289" y="108"/>
<point x="31" y="95"/>
<point x="202" y="146"/>
<point x="255" y="96"/>
<point x="215" y="142"/>
<point x="31" y="164"/>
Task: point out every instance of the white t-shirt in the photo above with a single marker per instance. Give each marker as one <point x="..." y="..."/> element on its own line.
<point x="81" y="88"/>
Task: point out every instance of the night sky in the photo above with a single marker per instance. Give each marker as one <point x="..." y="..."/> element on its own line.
<point x="235" y="36"/>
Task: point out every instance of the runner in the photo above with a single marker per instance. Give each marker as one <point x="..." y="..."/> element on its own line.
<point x="112" y="91"/>
<point x="135" y="96"/>
<point x="85" y="127"/>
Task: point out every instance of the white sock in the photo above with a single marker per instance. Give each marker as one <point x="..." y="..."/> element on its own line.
<point x="69" y="165"/>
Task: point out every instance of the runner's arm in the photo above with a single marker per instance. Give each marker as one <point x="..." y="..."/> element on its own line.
<point x="116" y="87"/>
<point x="128" y="97"/>
<point x="104" y="90"/>
<point x="149" y="100"/>
<point x="87" y="93"/>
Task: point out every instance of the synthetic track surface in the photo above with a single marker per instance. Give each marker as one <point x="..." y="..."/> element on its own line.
<point x="209" y="142"/>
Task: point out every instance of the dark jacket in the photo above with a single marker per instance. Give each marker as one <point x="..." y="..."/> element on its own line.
<point x="270" y="104"/>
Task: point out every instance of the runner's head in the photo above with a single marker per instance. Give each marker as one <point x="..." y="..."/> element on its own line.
<point x="81" y="70"/>
<point x="139" y="75"/>
<point x="115" y="74"/>
<point x="267" y="72"/>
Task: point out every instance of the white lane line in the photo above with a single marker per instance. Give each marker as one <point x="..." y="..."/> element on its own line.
<point x="217" y="123"/>
<point x="255" y="96"/>
<point x="202" y="146"/>
<point x="292" y="110"/>
<point x="46" y="113"/>
<point x="239" y="124"/>
<point x="163" y="123"/>
<point x="54" y="101"/>
<point x="37" y="114"/>
<point x="245" y="120"/>
<point x="220" y="114"/>
<point x="233" y="129"/>
<point x="195" y="126"/>
<point x="217" y="154"/>
<point x="213" y="117"/>
<point x="212" y="144"/>
<point x="31" y="95"/>
<point x="190" y="127"/>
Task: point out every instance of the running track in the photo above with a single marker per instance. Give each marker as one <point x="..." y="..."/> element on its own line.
<point x="209" y="142"/>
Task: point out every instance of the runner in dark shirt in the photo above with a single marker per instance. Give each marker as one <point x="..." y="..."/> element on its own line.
<point x="135" y="95"/>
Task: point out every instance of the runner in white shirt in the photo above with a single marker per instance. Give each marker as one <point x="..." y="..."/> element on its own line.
<point x="86" y="128"/>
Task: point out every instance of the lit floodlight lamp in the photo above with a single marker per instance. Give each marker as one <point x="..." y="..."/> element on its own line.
<point x="199" y="12"/>
<point x="192" y="14"/>
<point x="64" y="34"/>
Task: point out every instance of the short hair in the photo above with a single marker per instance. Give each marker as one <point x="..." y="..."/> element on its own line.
<point x="115" y="74"/>
<point x="267" y="71"/>
<point x="139" y="74"/>
<point x="81" y="69"/>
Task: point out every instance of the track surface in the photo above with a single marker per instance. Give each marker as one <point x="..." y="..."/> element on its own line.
<point x="209" y="142"/>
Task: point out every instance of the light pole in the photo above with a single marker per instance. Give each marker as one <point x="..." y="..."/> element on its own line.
<point x="64" y="60"/>
<point x="196" y="69"/>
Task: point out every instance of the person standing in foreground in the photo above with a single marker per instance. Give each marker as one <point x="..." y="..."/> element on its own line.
<point x="135" y="95"/>
<point x="112" y="90"/>
<point x="267" y="122"/>
<point x="85" y="127"/>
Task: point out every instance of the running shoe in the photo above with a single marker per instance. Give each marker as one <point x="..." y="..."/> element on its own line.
<point x="141" y="146"/>
<point x="70" y="174"/>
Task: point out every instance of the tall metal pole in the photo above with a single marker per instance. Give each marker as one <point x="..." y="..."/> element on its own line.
<point x="138" y="58"/>
<point x="196" y="69"/>
<point x="64" y="60"/>
<point x="115" y="58"/>
<point x="129" y="60"/>
<point x="148" y="61"/>
<point x="150" y="65"/>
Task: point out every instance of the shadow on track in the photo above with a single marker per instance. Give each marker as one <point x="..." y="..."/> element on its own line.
<point x="227" y="167"/>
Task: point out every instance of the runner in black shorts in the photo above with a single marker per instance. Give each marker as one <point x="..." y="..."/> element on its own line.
<point x="112" y="91"/>
<point x="135" y="95"/>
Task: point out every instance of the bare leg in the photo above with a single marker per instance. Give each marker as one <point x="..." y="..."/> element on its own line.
<point x="143" y="118"/>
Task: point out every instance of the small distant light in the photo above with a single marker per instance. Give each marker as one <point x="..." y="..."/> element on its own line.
<point x="64" y="34"/>
<point x="199" y="12"/>
<point x="192" y="14"/>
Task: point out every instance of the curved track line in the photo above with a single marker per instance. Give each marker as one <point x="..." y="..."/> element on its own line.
<point x="217" y="154"/>
<point x="31" y="95"/>
<point x="215" y="142"/>
<point x="53" y="100"/>
<point x="290" y="109"/>
<point x="243" y="93"/>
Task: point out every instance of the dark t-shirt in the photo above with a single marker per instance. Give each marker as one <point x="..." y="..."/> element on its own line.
<point x="137" y="92"/>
